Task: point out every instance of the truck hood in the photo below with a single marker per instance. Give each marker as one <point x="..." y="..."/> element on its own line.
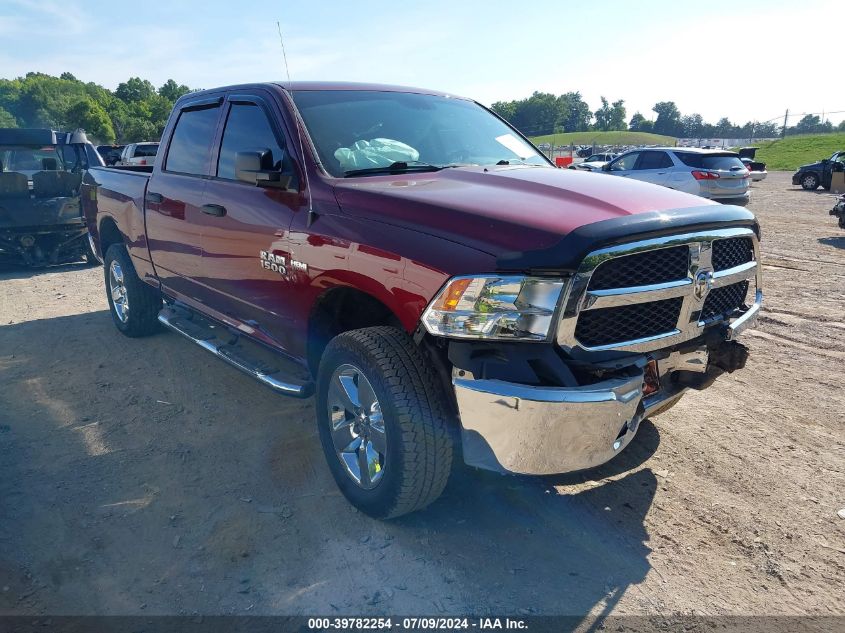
<point x="505" y="209"/>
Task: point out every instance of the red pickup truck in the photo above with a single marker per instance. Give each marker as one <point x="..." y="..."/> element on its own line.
<point x="415" y="263"/>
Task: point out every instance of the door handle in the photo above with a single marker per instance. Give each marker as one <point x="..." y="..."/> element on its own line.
<point x="155" y="198"/>
<point x="216" y="210"/>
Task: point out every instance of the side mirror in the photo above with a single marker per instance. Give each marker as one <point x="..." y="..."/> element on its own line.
<point x="256" y="167"/>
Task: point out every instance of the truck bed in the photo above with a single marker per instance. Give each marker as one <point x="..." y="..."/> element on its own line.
<point x="117" y="194"/>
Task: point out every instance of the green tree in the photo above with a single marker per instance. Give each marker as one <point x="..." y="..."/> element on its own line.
<point x="134" y="90"/>
<point x="617" y="115"/>
<point x="668" y="119"/>
<point x="692" y="125"/>
<point x="90" y="116"/>
<point x="636" y="121"/>
<point x="603" y="116"/>
<point x="7" y="119"/>
<point x="171" y="91"/>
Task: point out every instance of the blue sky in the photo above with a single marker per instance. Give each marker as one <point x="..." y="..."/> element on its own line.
<point x="744" y="60"/>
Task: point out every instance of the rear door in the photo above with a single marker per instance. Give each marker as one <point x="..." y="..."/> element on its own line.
<point x="653" y="166"/>
<point x="249" y="290"/>
<point x="174" y="216"/>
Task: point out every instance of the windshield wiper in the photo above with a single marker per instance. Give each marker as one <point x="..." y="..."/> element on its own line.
<point x="399" y="167"/>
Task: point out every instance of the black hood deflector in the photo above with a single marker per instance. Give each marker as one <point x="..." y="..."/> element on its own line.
<point x="568" y="253"/>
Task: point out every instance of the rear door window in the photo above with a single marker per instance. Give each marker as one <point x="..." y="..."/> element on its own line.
<point x="654" y="160"/>
<point x="191" y="141"/>
<point x="247" y="129"/>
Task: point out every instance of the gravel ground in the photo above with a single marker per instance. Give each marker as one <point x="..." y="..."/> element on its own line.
<point x="145" y="477"/>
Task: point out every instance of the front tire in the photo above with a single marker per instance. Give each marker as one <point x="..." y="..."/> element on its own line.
<point x="383" y="422"/>
<point x="809" y="182"/>
<point x="134" y="305"/>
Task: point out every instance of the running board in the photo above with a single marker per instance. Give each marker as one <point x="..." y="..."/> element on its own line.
<point x="207" y="339"/>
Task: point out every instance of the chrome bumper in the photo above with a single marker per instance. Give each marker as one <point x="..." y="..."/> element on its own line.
<point x="514" y="428"/>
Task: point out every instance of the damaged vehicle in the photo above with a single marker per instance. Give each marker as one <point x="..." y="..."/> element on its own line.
<point x="411" y="260"/>
<point x="41" y="219"/>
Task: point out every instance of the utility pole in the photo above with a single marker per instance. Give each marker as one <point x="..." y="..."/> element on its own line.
<point x="783" y="129"/>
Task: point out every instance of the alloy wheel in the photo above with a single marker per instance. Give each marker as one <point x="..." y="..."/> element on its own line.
<point x="357" y="426"/>
<point x="117" y="288"/>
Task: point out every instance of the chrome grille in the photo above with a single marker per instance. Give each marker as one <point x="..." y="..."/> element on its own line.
<point x="615" y="325"/>
<point x="640" y="269"/>
<point x="634" y="297"/>
<point x="732" y="252"/>
<point x="722" y="302"/>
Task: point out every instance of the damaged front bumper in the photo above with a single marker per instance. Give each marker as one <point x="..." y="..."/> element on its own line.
<point x="522" y="429"/>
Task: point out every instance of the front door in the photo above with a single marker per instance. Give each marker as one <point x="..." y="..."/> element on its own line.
<point x="246" y="252"/>
<point x="624" y="165"/>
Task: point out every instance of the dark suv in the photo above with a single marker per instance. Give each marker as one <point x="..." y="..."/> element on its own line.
<point x="815" y="174"/>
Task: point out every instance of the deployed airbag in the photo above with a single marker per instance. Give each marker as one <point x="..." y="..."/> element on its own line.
<point x="379" y="152"/>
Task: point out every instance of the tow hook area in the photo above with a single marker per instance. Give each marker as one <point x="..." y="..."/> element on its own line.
<point x="729" y="356"/>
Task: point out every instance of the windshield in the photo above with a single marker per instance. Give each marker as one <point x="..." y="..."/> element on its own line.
<point x="358" y="129"/>
<point x="28" y="159"/>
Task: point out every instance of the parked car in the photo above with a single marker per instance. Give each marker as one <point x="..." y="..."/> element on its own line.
<point x="594" y="162"/>
<point x="756" y="169"/>
<point x="41" y="219"/>
<point x="713" y="174"/>
<point x="110" y="153"/>
<point x="810" y="177"/>
<point x="414" y="262"/>
<point x="138" y="154"/>
<point x="583" y="152"/>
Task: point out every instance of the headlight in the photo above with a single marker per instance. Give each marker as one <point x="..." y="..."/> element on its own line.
<point x="494" y="307"/>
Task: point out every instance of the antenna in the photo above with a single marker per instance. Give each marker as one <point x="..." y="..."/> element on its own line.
<point x="298" y="123"/>
<point x="284" y="55"/>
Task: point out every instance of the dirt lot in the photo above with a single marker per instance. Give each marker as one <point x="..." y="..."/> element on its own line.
<point x="143" y="476"/>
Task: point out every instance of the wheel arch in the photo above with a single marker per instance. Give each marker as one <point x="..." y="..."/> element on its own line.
<point x="340" y="309"/>
<point x="108" y="234"/>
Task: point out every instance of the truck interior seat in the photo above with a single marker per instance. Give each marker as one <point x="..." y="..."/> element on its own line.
<point x="13" y="185"/>
<point x="49" y="164"/>
<point x="47" y="184"/>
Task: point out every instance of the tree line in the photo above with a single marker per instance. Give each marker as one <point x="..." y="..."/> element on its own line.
<point x="544" y="113"/>
<point x="135" y="111"/>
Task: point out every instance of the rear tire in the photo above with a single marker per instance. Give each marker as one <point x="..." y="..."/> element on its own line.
<point x="809" y="182"/>
<point x="134" y="305"/>
<point x="90" y="255"/>
<point x="400" y="410"/>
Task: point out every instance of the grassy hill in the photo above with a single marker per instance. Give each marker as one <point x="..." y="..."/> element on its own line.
<point x="605" y="138"/>
<point x="793" y="151"/>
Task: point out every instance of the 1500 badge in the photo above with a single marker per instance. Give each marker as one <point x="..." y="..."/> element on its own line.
<point x="280" y="264"/>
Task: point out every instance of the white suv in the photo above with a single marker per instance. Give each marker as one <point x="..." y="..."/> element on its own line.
<point x="138" y="154"/>
<point x="714" y="174"/>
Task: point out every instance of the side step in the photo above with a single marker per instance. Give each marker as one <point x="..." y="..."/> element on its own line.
<point x="258" y="362"/>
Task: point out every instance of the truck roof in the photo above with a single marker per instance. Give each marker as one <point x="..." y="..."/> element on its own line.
<point x="39" y="136"/>
<point x="293" y="86"/>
